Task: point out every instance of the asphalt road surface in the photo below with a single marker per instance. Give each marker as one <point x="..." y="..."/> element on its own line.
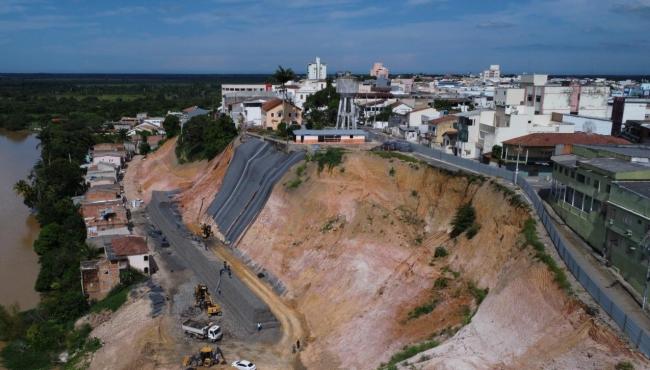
<point x="237" y="301"/>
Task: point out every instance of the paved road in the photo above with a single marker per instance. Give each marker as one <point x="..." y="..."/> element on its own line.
<point x="236" y="299"/>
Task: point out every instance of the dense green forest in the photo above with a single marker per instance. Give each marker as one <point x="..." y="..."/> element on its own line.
<point x="35" y="337"/>
<point x="28" y="100"/>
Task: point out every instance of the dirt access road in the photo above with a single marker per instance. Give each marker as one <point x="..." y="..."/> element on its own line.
<point x="240" y="295"/>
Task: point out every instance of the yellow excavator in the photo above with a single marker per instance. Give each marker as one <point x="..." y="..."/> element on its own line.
<point x="207" y="357"/>
<point x="203" y="299"/>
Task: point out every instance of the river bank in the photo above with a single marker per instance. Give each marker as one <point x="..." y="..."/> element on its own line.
<point x="19" y="228"/>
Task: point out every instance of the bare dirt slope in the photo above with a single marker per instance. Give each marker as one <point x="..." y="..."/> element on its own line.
<point x="355" y="247"/>
<point x="161" y="171"/>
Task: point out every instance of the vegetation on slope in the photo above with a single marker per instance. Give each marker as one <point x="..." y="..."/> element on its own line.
<point x="463" y="220"/>
<point x="331" y="158"/>
<point x="530" y="234"/>
<point x="203" y="138"/>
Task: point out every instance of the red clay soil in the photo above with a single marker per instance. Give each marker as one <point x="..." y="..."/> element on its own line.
<point x="355" y="248"/>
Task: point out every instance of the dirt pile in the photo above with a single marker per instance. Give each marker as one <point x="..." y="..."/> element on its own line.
<point x="365" y="253"/>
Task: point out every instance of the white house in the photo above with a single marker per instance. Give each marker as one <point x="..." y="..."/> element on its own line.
<point x="594" y="125"/>
<point x="401" y="108"/>
<point x="129" y="251"/>
<point x="154" y="121"/>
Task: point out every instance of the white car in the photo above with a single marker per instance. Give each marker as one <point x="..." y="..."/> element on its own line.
<point x="244" y="365"/>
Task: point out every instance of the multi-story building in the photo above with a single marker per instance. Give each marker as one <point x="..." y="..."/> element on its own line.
<point x="317" y="70"/>
<point x="492" y="74"/>
<point x="603" y="194"/>
<point x="379" y="70"/>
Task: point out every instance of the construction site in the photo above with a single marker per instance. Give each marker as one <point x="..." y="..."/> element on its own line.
<point x="343" y="267"/>
<point x="278" y="256"/>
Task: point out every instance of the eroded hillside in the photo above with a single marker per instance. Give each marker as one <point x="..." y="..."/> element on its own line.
<point x="356" y="248"/>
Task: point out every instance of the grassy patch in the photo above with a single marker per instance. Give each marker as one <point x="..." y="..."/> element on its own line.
<point x="406" y="353"/>
<point x="530" y="234"/>
<point x="478" y="293"/>
<point x="332" y="223"/>
<point x="466" y="312"/>
<point x="293" y="184"/>
<point x="624" y="365"/>
<point x="300" y="170"/>
<point x="423" y="309"/>
<point x="441" y="283"/>
<point x="464" y="218"/>
<point x="118" y="295"/>
<point x="330" y="158"/>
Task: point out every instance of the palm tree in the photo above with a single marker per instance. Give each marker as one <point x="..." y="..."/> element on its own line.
<point x="282" y="76"/>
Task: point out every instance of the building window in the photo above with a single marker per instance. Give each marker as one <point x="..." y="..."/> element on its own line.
<point x="272" y="114"/>
<point x="581" y="178"/>
<point x="596" y="206"/>
<point x="626" y="219"/>
<point x="608" y="188"/>
<point x="530" y="98"/>
<point x="146" y="258"/>
<point x="596" y="184"/>
<point x="538" y="98"/>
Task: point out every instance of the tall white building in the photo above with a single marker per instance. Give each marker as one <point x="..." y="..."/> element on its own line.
<point x="317" y="70"/>
<point x="493" y="73"/>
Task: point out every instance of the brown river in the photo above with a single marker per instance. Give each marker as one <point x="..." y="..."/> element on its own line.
<point x="18" y="228"/>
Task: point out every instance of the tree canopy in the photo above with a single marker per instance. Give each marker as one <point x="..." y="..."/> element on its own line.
<point x="172" y="126"/>
<point x="204" y="138"/>
<point x="321" y="108"/>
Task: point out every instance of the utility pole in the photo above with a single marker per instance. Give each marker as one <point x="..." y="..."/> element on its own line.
<point x="517" y="164"/>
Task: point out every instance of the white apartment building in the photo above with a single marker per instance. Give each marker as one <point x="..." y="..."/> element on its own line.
<point x="573" y="99"/>
<point x="317" y="70"/>
<point x="492" y="74"/>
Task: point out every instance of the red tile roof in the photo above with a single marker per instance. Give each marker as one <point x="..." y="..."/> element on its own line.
<point x="271" y="104"/>
<point x="129" y="246"/>
<point x="552" y="139"/>
<point x="443" y="119"/>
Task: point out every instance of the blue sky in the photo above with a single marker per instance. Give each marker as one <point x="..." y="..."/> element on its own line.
<point x="246" y="36"/>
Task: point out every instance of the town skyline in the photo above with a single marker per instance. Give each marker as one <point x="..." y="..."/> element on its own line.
<point x="417" y="36"/>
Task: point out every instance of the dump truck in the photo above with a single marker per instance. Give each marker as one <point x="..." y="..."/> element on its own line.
<point x="202" y="330"/>
<point x="203" y="299"/>
<point x="206" y="357"/>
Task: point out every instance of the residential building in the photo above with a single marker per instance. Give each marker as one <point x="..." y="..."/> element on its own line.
<point x="399" y="107"/>
<point x="113" y="158"/>
<point x="465" y="145"/>
<point x="130" y="251"/>
<point x="317" y="70"/>
<point x="603" y="194"/>
<point x="492" y="74"/>
<point x="191" y="112"/>
<point x="601" y="126"/>
<point x="101" y="173"/>
<point x="98" y="278"/>
<point x="379" y="70"/>
<point x="438" y="127"/>
<point x="276" y="111"/>
<point x="154" y="121"/>
<point x="105" y="218"/>
<point x="532" y="153"/>
<point x="305" y="89"/>
<point x="421" y="116"/>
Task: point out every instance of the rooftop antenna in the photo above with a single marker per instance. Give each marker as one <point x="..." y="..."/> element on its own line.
<point x="347" y="86"/>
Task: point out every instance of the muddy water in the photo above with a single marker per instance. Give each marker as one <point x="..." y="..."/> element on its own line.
<point x="18" y="228"/>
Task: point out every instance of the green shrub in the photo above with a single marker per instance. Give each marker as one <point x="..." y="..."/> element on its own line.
<point x="473" y="230"/>
<point x="531" y="238"/>
<point x="331" y="158"/>
<point x="464" y="218"/>
<point x="624" y="365"/>
<point x="293" y="184"/>
<point x="414" y="193"/>
<point x="391" y="172"/>
<point x="300" y="170"/>
<point x="424" y="309"/>
<point x="408" y="352"/>
<point x="397" y="155"/>
<point x="440" y="252"/>
<point x="441" y="283"/>
<point x="478" y="293"/>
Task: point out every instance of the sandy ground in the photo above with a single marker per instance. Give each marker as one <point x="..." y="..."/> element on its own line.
<point x="355" y="250"/>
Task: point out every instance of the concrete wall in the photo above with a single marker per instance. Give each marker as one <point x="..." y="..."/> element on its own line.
<point x="141" y="262"/>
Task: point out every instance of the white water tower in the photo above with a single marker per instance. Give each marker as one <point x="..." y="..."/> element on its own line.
<point x="347" y="86"/>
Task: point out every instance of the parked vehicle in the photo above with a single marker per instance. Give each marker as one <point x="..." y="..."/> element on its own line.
<point x="244" y="365"/>
<point x="201" y="330"/>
